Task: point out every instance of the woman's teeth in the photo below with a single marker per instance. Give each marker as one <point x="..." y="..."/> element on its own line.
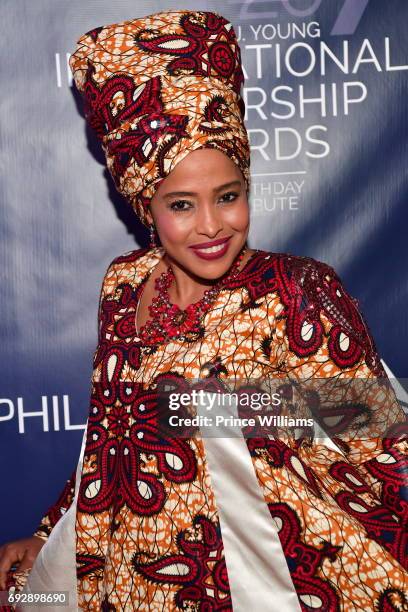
<point x="213" y="249"/>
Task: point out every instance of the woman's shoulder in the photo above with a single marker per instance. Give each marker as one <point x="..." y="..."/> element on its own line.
<point x="285" y="273"/>
<point x="138" y="258"/>
<point x="289" y="260"/>
<point x="130" y="268"/>
<point x="136" y="255"/>
<point x="313" y="297"/>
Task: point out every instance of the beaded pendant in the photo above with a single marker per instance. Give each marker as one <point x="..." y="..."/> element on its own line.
<point x="168" y="321"/>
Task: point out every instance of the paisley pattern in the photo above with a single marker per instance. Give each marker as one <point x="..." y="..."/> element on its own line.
<point x="148" y="532"/>
<point x="200" y="568"/>
<point x="156" y="88"/>
<point x="304" y="561"/>
<point x="123" y="427"/>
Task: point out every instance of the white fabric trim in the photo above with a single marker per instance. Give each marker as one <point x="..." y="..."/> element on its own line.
<point x="55" y="566"/>
<point x="258" y="574"/>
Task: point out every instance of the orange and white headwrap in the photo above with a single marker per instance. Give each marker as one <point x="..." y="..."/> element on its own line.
<point x="158" y="87"/>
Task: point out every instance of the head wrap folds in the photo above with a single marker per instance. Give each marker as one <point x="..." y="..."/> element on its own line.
<point x="158" y="87"/>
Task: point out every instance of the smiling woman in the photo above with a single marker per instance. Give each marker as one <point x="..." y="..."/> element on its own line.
<point x="152" y="519"/>
<point x="210" y="223"/>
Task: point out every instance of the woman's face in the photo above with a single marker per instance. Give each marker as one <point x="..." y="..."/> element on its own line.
<point x="202" y="201"/>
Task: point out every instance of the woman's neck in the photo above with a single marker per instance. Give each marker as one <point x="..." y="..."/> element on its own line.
<point x="187" y="288"/>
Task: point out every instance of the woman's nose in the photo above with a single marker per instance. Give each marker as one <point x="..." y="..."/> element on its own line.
<point x="208" y="220"/>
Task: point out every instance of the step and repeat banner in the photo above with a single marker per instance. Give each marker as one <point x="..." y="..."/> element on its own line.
<point x="326" y="111"/>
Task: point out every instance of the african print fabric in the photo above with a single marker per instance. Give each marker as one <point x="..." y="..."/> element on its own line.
<point x="156" y="88"/>
<point x="147" y="524"/>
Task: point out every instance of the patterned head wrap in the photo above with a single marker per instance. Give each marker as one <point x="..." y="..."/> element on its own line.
<point x="158" y="87"/>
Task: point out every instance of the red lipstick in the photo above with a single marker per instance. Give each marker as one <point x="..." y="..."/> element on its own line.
<point x="222" y="243"/>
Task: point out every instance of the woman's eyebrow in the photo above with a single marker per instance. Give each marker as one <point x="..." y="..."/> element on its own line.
<point x="173" y="194"/>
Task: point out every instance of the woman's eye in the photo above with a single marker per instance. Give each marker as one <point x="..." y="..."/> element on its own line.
<point x="230" y="196"/>
<point x="180" y="205"/>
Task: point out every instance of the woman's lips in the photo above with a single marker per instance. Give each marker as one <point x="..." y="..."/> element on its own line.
<point x="216" y="251"/>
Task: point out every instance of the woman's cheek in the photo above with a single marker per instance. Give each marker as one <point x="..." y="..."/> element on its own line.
<point x="238" y="218"/>
<point x="171" y="227"/>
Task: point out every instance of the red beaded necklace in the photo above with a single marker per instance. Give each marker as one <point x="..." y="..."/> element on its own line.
<point x="168" y="321"/>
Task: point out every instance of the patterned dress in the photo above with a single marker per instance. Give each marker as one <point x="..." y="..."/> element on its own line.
<point x="146" y="505"/>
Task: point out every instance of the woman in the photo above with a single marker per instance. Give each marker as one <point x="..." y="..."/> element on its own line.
<point x="161" y="521"/>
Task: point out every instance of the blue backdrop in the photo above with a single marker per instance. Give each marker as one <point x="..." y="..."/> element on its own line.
<point x="326" y="91"/>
